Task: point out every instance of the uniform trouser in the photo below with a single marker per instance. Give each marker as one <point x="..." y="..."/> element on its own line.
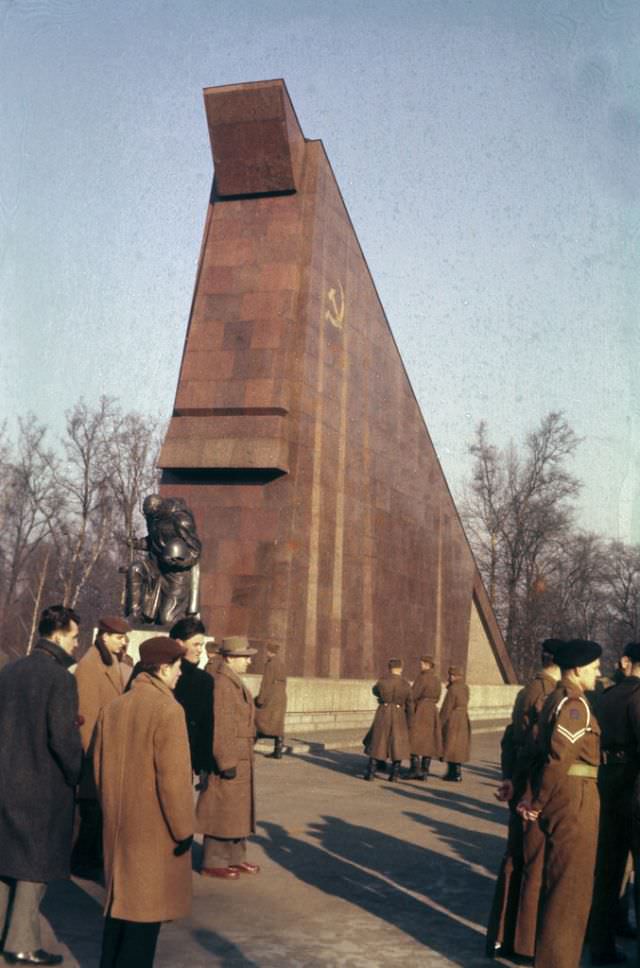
<point x="20" y="914"/>
<point x="569" y="822"/>
<point x="533" y="849"/>
<point x="223" y="852"/>
<point x="87" y="850"/>
<point x="504" y="910"/>
<point x="614" y="845"/>
<point x="128" y="944"/>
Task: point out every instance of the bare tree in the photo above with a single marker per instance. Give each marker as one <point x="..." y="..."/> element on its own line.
<point x="622" y="581"/>
<point x="518" y="509"/>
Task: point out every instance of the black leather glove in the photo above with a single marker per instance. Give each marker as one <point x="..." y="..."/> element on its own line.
<point x="203" y="781"/>
<point x="183" y="846"/>
<point x="228" y="774"/>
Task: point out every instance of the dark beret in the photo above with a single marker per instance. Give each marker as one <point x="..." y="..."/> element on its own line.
<point x="395" y="663"/>
<point x="161" y="650"/>
<point x="632" y="651"/>
<point x="550" y="646"/>
<point x="113" y="624"/>
<point x="578" y="652"/>
<point x="428" y="658"/>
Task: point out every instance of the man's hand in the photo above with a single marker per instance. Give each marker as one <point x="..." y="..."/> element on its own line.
<point x="228" y="774"/>
<point x="525" y="811"/>
<point x="504" y="793"/>
<point x="183" y="846"/>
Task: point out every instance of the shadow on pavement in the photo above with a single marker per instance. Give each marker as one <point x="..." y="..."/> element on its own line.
<point x="76" y="919"/>
<point x="451" y="799"/>
<point x="226" y="953"/>
<point x="344" y="763"/>
<point x="396" y="871"/>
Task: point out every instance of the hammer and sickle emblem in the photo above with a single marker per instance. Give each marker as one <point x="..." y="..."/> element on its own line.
<point x="334" y="314"/>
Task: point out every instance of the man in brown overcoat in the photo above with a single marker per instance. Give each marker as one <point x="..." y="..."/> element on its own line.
<point x="271" y="701"/>
<point x="456" y="727"/>
<point x="143" y="774"/>
<point x="388" y="738"/>
<point x="564" y="799"/>
<point x="99" y="682"/>
<point x="225" y="811"/>
<point x="425" y="735"/>
<point x="514" y="912"/>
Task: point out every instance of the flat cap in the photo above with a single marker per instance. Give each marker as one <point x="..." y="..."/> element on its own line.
<point x="428" y="658"/>
<point x="632" y="651"/>
<point x="236" y="645"/>
<point x="576" y="653"/>
<point x="161" y="650"/>
<point x="114" y="624"/>
<point x="455" y="670"/>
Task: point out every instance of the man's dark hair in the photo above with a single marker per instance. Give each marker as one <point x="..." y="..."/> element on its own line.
<point x="186" y="627"/>
<point x="56" y="618"/>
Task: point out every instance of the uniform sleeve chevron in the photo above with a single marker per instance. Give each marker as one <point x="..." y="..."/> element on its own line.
<point x="572" y="737"/>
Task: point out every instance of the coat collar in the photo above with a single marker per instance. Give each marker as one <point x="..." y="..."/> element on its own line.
<point x="226" y="670"/>
<point x="145" y="679"/>
<point x="50" y="648"/>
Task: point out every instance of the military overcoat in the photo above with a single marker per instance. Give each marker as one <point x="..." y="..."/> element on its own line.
<point x="426" y="734"/>
<point x="226" y="809"/>
<point x="271" y="701"/>
<point x="143" y="774"/>
<point x="456" y="727"/>
<point x="40" y="761"/>
<point x="388" y="738"/>
<point x="98" y="685"/>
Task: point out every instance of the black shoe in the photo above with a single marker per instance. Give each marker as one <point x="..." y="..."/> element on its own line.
<point x="370" y="773"/>
<point x="277" y="749"/>
<point x="39" y="957"/>
<point x="613" y="957"/>
<point x="414" y="770"/>
<point x="394" y="776"/>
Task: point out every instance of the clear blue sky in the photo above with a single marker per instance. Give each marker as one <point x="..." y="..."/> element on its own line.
<point x="487" y="150"/>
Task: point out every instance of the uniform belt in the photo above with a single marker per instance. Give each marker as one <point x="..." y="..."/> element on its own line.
<point x="583" y="769"/>
<point x="616" y="757"/>
<point x="396" y="704"/>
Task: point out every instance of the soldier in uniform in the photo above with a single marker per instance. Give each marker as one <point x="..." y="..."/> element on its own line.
<point x="271" y="701"/>
<point x="512" y="922"/>
<point x="618" y="712"/>
<point x="456" y="726"/>
<point x="99" y="682"/>
<point x="425" y="735"/>
<point x="564" y="799"/>
<point x="388" y="738"/>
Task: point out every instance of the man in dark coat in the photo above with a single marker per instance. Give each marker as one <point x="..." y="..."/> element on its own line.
<point x="40" y="763"/>
<point x="271" y="701"/>
<point x="388" y="738"/>
<point x="618" y="712"/>
<point x="194" y="692"/>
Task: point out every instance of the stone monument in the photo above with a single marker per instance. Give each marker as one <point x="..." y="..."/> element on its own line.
<point x="326" y="521"/>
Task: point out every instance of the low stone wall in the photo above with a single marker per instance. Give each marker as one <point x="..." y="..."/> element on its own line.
<point x="322" y="704"/>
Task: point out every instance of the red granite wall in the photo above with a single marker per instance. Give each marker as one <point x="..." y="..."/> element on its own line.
<point x="296" y="438"/>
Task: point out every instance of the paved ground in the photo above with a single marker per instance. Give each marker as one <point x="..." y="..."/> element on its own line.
<point x="354" y="874"/>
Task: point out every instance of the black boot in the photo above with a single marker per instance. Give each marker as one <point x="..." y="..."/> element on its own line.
<point x="424" y="767"/>
<point x="451" y="774"/>
<point x="394" y="776"/>
<point x="457" y="772"/>
<point x="278" y="744"/>
<point x="370" y="773"/>
<point x="414" y="770"/>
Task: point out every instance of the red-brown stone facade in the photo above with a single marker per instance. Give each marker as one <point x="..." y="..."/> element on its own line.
<point x="296" y="439"/>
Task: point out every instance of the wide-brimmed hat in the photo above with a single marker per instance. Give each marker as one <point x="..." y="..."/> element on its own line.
<point x="113" y="625"/>
<point x="236" y="645"/>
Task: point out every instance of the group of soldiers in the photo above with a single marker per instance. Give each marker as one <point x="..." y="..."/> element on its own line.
<point x="408" y="726"/>
<point x="112" y="740"/>
<point x="570" y="762"/>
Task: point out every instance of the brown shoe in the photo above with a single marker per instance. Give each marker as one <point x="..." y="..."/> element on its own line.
<point x="229" y="873"/>
<point x="245" y="868"/>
